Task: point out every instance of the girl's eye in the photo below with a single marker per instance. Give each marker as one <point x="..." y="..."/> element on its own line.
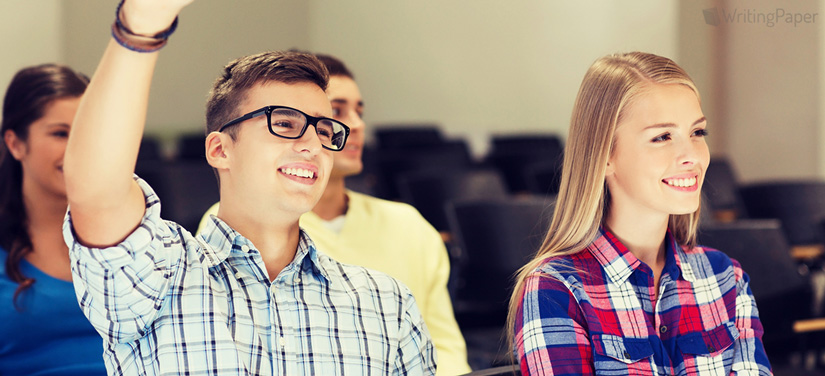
<point x="336" y="112"/>
<point x="61" y="134"/>
<point x="700" y="132"/>
<point x="662" y="138"/>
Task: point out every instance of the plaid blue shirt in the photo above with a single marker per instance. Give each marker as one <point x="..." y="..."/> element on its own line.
<point x="168" y="303"/>
<point x="596" y="312"/>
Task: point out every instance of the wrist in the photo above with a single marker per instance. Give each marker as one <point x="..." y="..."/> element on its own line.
<point x="138" y="42"/>
<point x="146" y="26"/>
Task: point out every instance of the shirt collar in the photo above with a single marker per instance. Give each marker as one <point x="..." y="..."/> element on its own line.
<point x="619" y="263"/>
<point x="218" y="241"/>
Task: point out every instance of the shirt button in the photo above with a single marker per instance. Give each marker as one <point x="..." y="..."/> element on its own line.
<point x="297" y="279"/>
<point x="626" y="355"/>
<point x="282" y="342"/>
<point x="245" y="248"/>
<point x="663" y="329"/>
<point x="711" y="349"/>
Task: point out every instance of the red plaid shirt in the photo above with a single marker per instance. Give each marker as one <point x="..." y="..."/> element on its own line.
<point x="594" y="312"/>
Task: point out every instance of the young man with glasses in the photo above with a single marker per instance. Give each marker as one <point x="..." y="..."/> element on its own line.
<point x="251" y="295"/>
<point x="387" y="236"/>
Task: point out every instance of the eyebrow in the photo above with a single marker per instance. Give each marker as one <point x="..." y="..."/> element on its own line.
<point x="344" y="101"/>
<point x="672" y="125"/>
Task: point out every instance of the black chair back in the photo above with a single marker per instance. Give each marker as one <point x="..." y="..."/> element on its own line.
<point x="429" y="191"/>
<point x="799" y="205"/>
<point x="407" y="136"/>
<point x="544" y="178"/>
<point x="496" y="237"/>
<point x="446" y="157"/>
<point x="512" y="155"/>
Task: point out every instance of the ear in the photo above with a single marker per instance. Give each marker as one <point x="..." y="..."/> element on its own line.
<point x="218" y="145"/>
<point x="610" y="169"/>
<point x="16" y="146"/>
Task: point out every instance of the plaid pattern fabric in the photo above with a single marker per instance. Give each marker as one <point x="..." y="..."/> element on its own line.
<point x="595" y="312"/>
<point x="168" y="303"/>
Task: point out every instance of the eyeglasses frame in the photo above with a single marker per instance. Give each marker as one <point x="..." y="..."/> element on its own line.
<point x="313" y="120"/>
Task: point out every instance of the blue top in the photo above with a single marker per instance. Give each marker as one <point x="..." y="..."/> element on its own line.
<point x="50" y="336"/>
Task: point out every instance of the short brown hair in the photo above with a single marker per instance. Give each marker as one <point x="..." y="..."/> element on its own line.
<point x="230" y="89"/>
<point x="335" y="67"/>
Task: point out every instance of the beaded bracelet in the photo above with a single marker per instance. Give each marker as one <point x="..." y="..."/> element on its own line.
<point x="136" y="42"/>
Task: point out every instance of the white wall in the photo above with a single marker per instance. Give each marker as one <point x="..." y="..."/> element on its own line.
<point x="483" y="67"/>
<point x="32" y="34"/>
<point x="209" y="35"/>
<point x="495" y="68"/>
<point x="477" y="67"/>
<point x="772" y="96"/>
<point x="821" y="64"/>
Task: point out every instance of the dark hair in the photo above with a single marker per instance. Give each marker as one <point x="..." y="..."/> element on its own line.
<point x="334" y="66"/>
<point x="28" y="94"/>
<point x="240" y="75"/>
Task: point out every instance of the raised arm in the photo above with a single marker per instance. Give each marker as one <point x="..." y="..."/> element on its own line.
<point x="105" y="202"/>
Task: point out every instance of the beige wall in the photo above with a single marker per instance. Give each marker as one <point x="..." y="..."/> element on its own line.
<point x="821" y="64"/>
<point x="483" y="67"/>
<point x="700" y="49"/>
<point x="772" y="95"/>
<point x="478" y="67"/>
<point x="32" y="34"/>
<point x="210" y="34"/>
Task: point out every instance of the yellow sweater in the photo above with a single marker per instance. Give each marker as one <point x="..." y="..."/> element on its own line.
<point x="394" y="238"/>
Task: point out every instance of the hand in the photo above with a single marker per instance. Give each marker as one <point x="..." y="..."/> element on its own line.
<point x="150" y="17"/>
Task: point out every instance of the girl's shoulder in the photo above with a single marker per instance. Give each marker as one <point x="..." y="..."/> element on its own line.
<point x="707" y="258"/>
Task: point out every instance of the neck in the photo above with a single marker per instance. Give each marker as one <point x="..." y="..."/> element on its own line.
<point x="334" y="201"/>
<point x="644" y="236"/>
<point x="45" y="212"/>
<point x="275" y="237"/>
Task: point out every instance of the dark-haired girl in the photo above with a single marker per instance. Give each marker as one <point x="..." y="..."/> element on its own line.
<point x="42" y="329"/>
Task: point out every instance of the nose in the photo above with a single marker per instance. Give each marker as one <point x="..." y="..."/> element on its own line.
<point x="354" y="122"/>
<point x="694" y="152"/>
<point x="310" y="141"/>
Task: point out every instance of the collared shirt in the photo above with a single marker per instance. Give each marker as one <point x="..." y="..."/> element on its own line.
<point x="595" y="312"/>
<point x="168" y="303"/>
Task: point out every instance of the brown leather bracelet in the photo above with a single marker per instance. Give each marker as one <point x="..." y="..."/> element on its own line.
<point x="136" y="43"/>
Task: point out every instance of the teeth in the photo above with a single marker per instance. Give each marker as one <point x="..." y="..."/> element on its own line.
<point x="684" y="183"/>
<point x="300" y="172"/>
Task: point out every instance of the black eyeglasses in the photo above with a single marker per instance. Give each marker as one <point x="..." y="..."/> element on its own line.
<point x="289" y="123"/>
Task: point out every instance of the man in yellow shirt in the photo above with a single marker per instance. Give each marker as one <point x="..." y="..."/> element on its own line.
<point x="387" y="236"/>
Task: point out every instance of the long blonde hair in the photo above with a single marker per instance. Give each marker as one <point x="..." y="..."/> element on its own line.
<point x="608" y="87"/>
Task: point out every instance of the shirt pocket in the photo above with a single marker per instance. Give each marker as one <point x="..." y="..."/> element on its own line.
<point x="710" y="342"/>
<point x="626" y="350"/>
